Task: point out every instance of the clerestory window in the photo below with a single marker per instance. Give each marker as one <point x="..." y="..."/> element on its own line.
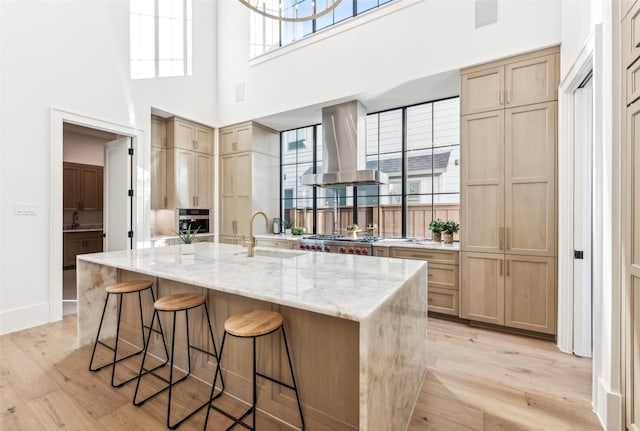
<point x="160" y="37"/>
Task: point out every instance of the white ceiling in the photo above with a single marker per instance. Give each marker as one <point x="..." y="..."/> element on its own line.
<point x="433" y="87"/>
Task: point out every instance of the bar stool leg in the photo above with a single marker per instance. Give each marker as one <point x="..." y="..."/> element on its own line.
<point x="95" y="345"/>
<point x="293" y="378"/>
<point x="215" y="379"/>
<point x="255" y="393"/>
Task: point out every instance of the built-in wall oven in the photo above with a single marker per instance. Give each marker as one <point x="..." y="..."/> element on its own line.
<point x="193" y="218"/>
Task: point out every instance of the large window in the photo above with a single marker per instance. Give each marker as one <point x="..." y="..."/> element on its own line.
<point x="266" y="33"/>
<point x="418" y="147"/>
<point x="160" y="38"/>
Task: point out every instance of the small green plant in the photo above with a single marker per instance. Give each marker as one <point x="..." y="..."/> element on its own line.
<point x="352" y="228"/>
<point x="187" y="236"/>
<point x="288" y="224"/>
<point x="450" y="227"/>
<point x="436" y="226"/>
<point x="297" y="230"/>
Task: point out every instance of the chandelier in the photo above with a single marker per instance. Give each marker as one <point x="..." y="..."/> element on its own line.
<point x="295" y="11"/>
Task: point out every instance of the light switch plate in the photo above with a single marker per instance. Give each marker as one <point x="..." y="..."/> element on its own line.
<point x="25" y="208"/>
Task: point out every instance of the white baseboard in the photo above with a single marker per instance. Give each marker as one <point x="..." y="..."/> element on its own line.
<point x="23" y="318"/>
<point x="608" y="407"/>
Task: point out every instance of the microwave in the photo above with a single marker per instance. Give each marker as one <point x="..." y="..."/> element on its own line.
<point x="193" y="218"/>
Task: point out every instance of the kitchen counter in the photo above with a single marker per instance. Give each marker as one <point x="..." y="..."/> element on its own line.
<point x="410" y="243"/>
<point x="370" y="310"/>
<point x="82" y="228"/>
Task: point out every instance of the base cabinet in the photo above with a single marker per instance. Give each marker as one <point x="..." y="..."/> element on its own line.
<point x="509" y="290"/>
<point x="75" y="243"/>
<point x="443" y="287"/>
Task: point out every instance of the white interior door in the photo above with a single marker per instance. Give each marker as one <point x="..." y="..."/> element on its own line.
<point x="117" y="202"/>
<point x="582" y="219"/>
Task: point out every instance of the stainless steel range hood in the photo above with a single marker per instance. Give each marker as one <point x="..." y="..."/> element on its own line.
<point x="344" y="161"/>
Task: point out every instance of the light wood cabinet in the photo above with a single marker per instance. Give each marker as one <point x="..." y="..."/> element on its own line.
<point x="530" y="186"/>
<point x="189" y="167"/>
<point x="248" y="179"/>
<point x="75" y="243"/>
<point x="82" y="187"/>
<point x="631" y="36"/>
<point x="508" y="193"/>
<point x="158" y="163"/>
<point x="189" y="136"/>
<point x="517" y="81"/>
<point x="235" y="139"/>
<point x="190" y="179"/>
<point x="443" y="287"/>
<point x="529" y="293"/>
<point x="482" y="289"/>
<point x="380" y="251"/>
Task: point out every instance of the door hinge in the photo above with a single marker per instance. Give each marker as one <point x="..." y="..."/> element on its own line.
<point x="578" y="254"/>
<point x="130" y="151"/>
<point x="130" y="234"/>
<point x="130" y="192"/>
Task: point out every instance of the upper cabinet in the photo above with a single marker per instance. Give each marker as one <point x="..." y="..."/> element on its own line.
<point x="236" y="139"/>
<point x="158" y="163"/>
<point x="189" y="136"/>
<point x="82" y="187"/>
<point x="189" y="165"/>
<point x="519" y="81"/>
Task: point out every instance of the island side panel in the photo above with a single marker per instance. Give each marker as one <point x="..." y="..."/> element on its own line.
<point x="92" y="279"/>
<point x="393" y="357"/>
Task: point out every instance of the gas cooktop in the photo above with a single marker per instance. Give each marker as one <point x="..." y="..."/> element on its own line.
<point x="331" y="237"/>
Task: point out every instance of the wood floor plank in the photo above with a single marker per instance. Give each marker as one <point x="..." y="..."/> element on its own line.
<point x="477" y="379"/>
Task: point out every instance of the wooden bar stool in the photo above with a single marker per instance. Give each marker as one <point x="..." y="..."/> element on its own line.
<point x="174" y="304"/>
<point x="254" y="324"/>
<point x="121" y="289"/>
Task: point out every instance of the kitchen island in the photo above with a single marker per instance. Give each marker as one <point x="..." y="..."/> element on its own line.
<point x="356" y="325"/>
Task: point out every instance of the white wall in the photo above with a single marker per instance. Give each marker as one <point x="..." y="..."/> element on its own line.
<point x="73" y="55"/>
<point x="424" y="38"/>
<point x="88" y="150"/>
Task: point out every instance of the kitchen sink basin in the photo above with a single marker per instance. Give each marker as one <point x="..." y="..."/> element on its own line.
<point x="280" y="254"/>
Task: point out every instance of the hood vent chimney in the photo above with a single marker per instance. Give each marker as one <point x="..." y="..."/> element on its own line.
<point x="344" y="161"/>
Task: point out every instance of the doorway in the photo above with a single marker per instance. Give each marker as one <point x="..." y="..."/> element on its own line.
<point x="106" y="133"/>
<point x="92" y="207"/>
<point x="582" y="218"/>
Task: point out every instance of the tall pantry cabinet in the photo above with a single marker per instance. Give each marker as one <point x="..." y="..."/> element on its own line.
<point x="249" y="181"/>
<point x="508" y="191"/>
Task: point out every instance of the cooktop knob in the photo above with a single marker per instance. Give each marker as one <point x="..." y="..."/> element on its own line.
<point x="326" y="248"/>
<point x="351" y="250"/>
<point x="364" y="251"/>
<point x="341" y="249"/>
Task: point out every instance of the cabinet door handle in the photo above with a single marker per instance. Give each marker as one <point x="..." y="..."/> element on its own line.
<point x="195" y="144"/>
<point x="508" y="267"/>
<point x="508" y="96"/>
<point x="508" y="238"/>
<point x="165" y="201"/>
<point x="234" y="147"/>
<point x="500" y="266"/>
<point x="500" y="237"/>
<point x="501" y="97"/>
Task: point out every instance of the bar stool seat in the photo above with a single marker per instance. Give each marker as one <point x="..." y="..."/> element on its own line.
<point x="253" y="324"/>
<point x="174" y="304"/>
<point x="121" y="289"/>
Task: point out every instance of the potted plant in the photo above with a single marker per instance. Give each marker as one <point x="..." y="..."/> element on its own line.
<point x="298" y="230"/>
<point x="187" y="237"/>
<point x="352" y="231"/>
<point x="450" y="228"/>
<point x="287" y="227"/>
<point x="437" y="226"/>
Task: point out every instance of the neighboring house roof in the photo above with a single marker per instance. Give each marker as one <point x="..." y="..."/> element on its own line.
<point x="417" y="164"/>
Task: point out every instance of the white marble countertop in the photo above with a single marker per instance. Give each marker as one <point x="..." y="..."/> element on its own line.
<point x="346" y="286"/>
<point x="289" y="237"/>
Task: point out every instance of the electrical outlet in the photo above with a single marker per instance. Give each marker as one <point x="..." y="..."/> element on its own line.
<point x="25" y="208"/>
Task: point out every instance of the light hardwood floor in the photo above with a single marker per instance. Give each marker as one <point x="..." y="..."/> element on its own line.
<point x="478" y="380"/>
